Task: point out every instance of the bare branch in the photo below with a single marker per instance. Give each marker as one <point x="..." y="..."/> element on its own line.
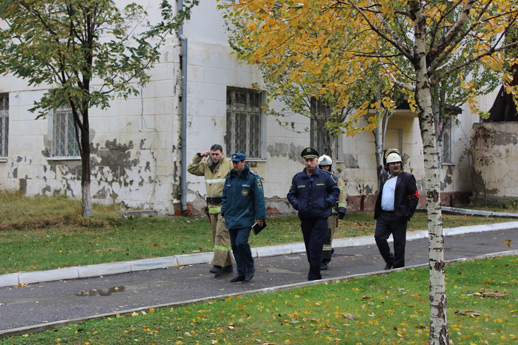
<point x="397" y="42"/>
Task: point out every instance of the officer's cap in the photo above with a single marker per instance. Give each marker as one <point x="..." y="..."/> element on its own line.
<point x="237" y="157"/>
<point x="309" y="153"/>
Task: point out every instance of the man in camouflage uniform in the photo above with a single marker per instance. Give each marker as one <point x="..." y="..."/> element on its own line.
<point x="324" y="163"/>
<point x="215" y="168"/>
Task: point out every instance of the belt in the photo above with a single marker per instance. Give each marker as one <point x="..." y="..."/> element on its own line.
<point x="387" y="211"/>
<point x="214" y="200"/>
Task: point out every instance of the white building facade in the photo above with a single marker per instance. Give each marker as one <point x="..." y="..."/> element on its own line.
<point x="137" y="146"/>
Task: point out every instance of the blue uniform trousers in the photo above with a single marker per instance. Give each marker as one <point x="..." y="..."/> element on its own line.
<point x="386" y="224"/>
<point x="241" y="250"/>
<point x="314" y="232"/>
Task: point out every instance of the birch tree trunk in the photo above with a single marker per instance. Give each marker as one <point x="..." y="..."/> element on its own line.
<point x="438" y="305"/>
<point x="378" y="139"/>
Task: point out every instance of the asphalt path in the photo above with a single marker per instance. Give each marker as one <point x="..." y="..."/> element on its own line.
<point x="52" y="304"/>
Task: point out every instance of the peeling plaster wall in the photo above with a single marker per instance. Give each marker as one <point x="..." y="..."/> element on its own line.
<point x="496" y="162"/>
<point x="134" y="145"/>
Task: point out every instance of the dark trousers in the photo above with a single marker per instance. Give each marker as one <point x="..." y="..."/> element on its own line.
<point x="314" y="232"/>
<point x="241" y="250"/>
<point x="388" y="223"/>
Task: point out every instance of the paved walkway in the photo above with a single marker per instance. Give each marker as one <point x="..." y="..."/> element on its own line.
<point x="54" y="299"/>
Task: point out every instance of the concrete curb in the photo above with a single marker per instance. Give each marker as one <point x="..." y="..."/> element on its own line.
<point x="90" y="271"/>
<point x="467" y="212"/>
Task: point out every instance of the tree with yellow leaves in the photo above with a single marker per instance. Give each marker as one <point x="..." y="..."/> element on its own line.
<point x="332" y="46"/>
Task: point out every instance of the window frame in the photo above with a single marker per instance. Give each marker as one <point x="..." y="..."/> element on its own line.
<point x="248" y="114"/>
<point x="4" y="127"/>
<point x="323" y="113"/>
<point x="68" y="133"/>
<point x="448" y="129"/>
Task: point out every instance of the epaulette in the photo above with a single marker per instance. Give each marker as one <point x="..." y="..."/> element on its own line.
<point x="254" y="173"/>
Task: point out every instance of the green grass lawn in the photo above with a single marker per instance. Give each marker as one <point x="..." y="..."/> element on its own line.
<point x="380" y="309"/>
<point x="48" y="232"/>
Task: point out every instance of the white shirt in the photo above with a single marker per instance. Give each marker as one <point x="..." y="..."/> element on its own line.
<point x="387" y="197"/>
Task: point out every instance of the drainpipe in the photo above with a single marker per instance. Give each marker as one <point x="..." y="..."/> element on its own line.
<point x="183" y="134"/>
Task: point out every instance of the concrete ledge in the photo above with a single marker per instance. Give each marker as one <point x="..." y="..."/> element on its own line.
<point x="274" y="250"/>
<point x="9" y="279"/>
<point x="47" y="276"/>
<point x="298" y="248"/>
<point x="480" y="228"/>
<point x="416" y="235"/>
<point x="468" y="212"/>
<point x="354" y="241"/>
<point x="104" y="269"/>
<point x="154" y="263"/>
<point x="193" y="259"/>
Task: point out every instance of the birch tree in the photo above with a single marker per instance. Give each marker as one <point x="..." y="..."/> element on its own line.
<point x="303" y="94"/>
<point x="86" y="52"/>
<point x="414" y="44"/>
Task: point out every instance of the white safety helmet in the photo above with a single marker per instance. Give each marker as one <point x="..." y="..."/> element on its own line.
<point x="391" y="150"/>
<point x="393" y="158"/>
<point x="325" y="160"/>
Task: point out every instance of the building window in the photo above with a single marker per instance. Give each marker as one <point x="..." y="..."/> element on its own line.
<point x="320" y="138"/>
<point x="4" y="124"/>
<point x="447" y="141"/>
<point x="65" y="143"/>
<point x="244" y="122"/>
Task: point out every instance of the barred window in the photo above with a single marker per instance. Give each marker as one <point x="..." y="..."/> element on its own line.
<point x="319" y="134"/>
<point x="244" y="122"/>
<point x="65" y="143"/>
<point x="447" y="149"/>
<point x="4" y="124"/>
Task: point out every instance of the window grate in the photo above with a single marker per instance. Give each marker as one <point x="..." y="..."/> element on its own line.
<point x="318" y="132"/>
<point x="244" y="122"/>
<point x="4" y="124"/>
<point x="65" y="143"/>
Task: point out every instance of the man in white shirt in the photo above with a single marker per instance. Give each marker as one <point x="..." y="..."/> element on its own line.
<point x="396" y="203"/>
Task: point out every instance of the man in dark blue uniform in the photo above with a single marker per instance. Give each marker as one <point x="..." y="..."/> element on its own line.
<point x="313" y="193"/>
<point x="242" y="206"/>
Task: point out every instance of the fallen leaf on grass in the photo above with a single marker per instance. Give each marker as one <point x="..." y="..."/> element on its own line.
<point x="349" y="316"/>
<point x="470" y="313"/>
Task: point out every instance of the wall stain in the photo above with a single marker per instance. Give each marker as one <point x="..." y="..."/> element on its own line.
<point x="23" y="185"/>
<point x="46" y="190"/>
<point x="351" y="162"/>
<point x="114" y="157"/>
<point x="503" y="139"/>
<point x="284" y="150"/>
<point x="448" y="178"/>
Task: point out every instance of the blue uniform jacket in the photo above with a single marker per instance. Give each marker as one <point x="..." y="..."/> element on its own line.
<point x="313" y="196"/>
<point x="242" y="199"/>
